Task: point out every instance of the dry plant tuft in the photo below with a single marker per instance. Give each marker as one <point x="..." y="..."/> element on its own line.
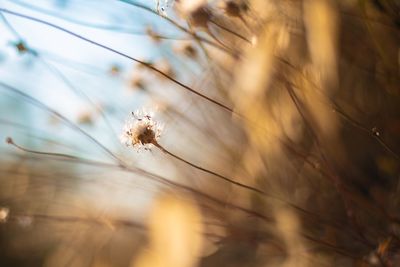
<point x="280" y="145"/>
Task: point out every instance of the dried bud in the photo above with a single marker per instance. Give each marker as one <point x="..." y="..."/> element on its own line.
<point x="195" y="11"/>
<point x="232" y="9"/>
<point x="21" y="47"/>
<point x="141" y="130"/>
<point x="162" y="6"/>
<point x="187" y="49"/>
<point x="85" y="117"/>
<point x="164" y="66"/>
<point x="115" y="70"/>
<point x="153" y="35"/>
<point x="137" y="82"/>
<point x="200" y="17"/>
<point x="9" y="140"/>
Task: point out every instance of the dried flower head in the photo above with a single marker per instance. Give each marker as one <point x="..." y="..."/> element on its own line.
<point x="187" y="49"/>
<point x="137" y="82"/>
<point x="164" y="66"/>
<point x="200" y="17"/>
<point x="141" y="130"/>
<point x="196" y="12"/>
<point x="154" y="36"/>
<point x="85" y="117"/>
<point x="162" y="6"/>
<point x="232" y="8"/>
<point x="21" y="47"/>
<point x="115" y="70"/>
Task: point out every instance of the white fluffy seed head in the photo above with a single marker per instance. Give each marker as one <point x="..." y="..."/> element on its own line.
<point x="141" y="131"/>
<point x="162" y="6"/>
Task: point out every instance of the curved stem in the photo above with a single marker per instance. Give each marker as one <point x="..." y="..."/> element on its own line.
<point x="348" y="118"/>
<point x="10" y="27"/>
<point x="75" y="21"/>
<point x="216" y="38"/>
<point x="136" y="170"/>
<point x="230" y="31"/>
<point x="165" y="181"/>
<point x="105" y="27"/>
<point x="208" y="171"/>
<point x="181" y="28"/>
<point x="72" y="125"/>
<point x="147" y="65"/>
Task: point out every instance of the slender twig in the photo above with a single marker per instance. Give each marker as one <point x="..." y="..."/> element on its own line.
<point x="75" y="21"/>
<point x="151" y="176"/>
<point x="9" y="26"/>
<point x="76" y="219"/>
<point x="112" y="28"/>
<point x="156" y="144"/>
<point x="230" y="31"/>
<point x="60" y="75"/>
<point x="162" y="180"/>
<point x="147" y="65"/>
<point x="62" y="118"/>
<point x="338" y="250"/>
<point x="336" y="108"/>
<point x="102" y="221"/>
<point x="10" y="141"/>
<point x="366" y="131"/>
<point x="179" y="27"/>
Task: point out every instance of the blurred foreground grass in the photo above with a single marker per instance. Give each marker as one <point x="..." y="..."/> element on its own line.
<point x="274" y="139"/>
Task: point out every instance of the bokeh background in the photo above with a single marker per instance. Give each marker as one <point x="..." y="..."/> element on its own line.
<point x="279" y="145"/>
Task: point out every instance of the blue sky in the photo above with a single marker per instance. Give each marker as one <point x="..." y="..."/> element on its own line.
<point x="63" y="52"/>
<point x="34" y="77"/>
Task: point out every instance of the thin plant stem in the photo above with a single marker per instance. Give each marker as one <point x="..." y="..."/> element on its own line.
<point x="106" y="222"/>
<point x="62" y="118"/>
<point x="147" y="65"/>
<point x="181" y="28"/>
<point x="74" y="219"/>
<point x="230" y="31"/>
<point x="75" y="21"/>
<point x="162" y="180"/>
<point x="60" y="75"/>
<point x="140" y="171"/>
<point x="112" y="28"/>
<point x="336" y="108"/>
<point x="9" y="26"/>
<point x="156" y="144"/>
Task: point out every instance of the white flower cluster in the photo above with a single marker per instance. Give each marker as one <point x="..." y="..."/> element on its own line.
<point x="141" y="131"/>
<point x="162" y="6"/>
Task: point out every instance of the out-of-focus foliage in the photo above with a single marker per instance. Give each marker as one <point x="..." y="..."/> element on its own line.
<point x="280" y="143"/>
